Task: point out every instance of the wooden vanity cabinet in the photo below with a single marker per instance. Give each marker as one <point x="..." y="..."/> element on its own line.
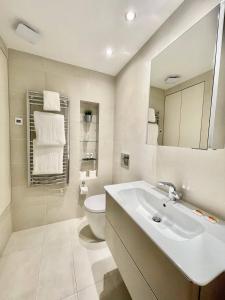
<point x="146" y="270"/>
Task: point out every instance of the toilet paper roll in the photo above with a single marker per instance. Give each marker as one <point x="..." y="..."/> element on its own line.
<point x="83" y="190"/>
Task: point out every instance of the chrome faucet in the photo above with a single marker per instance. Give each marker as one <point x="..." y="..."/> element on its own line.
<point x="173" y="194"/>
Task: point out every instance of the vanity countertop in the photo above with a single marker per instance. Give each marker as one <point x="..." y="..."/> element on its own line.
<point x="200" y="256"/>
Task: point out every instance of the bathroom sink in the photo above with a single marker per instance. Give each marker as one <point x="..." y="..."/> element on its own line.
<point x="195" y="245"/>
<point x="161" y="213"/>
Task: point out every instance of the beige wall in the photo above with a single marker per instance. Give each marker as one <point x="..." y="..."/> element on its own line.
<point x="37" y="206"/>
<point x="203" y="172"/>
<point x="5" y="179"/>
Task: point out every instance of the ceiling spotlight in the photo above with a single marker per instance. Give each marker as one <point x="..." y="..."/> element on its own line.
<point x="130" y="16"/>
<point x="109" y="51"/>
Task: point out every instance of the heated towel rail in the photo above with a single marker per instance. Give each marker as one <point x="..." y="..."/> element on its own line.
<point x="35" y="103"/>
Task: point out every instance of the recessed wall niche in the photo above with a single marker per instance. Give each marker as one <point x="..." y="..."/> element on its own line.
<point x="89" y="129"/>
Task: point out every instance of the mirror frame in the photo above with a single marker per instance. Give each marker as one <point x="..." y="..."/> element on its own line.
<point x="215" y="141"/>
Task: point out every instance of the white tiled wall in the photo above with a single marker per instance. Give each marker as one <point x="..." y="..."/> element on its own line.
<point x="38" y="206"/>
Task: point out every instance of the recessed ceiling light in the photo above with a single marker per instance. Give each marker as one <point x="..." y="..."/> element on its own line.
<point x="171" y="79"/>
<point x="109" y="51"/>
<point x="130" y="16"/>
<point x="27" y="33"/>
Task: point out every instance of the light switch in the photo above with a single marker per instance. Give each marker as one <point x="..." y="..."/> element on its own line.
<point x="18" y="121"/>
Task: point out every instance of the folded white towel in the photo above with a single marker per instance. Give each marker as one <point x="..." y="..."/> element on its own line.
<point x="49" y="128"/>
<point x="51" y="101"/>
<point x="151" y="115"/>
<point x="47" y="159"/>
<point x="153" y="133"/>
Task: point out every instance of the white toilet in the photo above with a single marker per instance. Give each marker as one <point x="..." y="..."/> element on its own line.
<point x="95" y="212"/>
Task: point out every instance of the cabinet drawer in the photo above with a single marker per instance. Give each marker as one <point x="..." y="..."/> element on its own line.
<point x="165" y="279"/>
<point x="132" y="277"/>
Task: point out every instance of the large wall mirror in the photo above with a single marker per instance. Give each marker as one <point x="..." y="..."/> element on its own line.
<point x="181" y="87"/>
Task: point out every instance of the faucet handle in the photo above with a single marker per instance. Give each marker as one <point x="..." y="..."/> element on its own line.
<point x="177" y="195"/>
<point x="172" y="191"/>
<point x="170" y="185"/>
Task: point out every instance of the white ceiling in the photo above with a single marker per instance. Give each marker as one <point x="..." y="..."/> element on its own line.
<point x="78" y="31"/>
<point x="190" y="55"/>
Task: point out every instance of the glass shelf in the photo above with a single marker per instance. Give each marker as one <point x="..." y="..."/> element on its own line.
<point x="89" y="159"/>
<point x="88" y="178"/>
<point x="89" y="141"/>
<point x="84" y="122"/>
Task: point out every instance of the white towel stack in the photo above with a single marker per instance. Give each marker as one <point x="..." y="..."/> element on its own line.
<point x="151" y="115"/>
<point x="153" y="133"/>
<point x="51" y="101"/>
<point x="49" y="144"/>
<point x="49" y="128"/>
<point x="47" y="160"/>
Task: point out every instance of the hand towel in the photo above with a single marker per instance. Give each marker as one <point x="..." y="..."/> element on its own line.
<point x="47" y="159"/>
<point x="51" y="101"/>
<point x="151" y="115"/>
<point x="49" y="128"/>
<point x="152" y="135"/>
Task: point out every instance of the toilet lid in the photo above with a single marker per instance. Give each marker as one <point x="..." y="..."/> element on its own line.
<point x="95" y="203"/>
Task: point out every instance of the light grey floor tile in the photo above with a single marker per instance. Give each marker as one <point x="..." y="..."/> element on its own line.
<point x="85" y="235"/>
<point x="19" y="274"/>
<point x="114" y="288"/>
<point x="73" y="297"/>
<point x="111" y="287"/>
<point x="56" y="279"/>
<point x="59" y="233"/>
<point x="92" y="292"/>
<point x="54" y="254"/>
<point x="91" y="262"/>
<point x="25" y="239"/>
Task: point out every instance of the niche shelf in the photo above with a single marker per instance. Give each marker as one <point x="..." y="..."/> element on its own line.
<point x="89" y="132"/>
<point x="89" y="141"/>
<point x="88" y="159"/>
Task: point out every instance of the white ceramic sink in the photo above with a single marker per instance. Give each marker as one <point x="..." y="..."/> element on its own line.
<point x="194" y="244"/>
<point x="169" y="220"/>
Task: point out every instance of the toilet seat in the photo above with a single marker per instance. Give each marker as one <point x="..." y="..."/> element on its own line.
<point x="95" y="204"/>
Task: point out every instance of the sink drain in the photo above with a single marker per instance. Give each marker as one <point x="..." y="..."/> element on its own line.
<point x="157" y="219"/>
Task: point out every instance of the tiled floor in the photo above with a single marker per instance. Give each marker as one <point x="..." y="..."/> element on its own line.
<point x="59" y="261"/>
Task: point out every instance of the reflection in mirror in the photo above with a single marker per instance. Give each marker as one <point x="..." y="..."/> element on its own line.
<point x="181" y="88"/>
